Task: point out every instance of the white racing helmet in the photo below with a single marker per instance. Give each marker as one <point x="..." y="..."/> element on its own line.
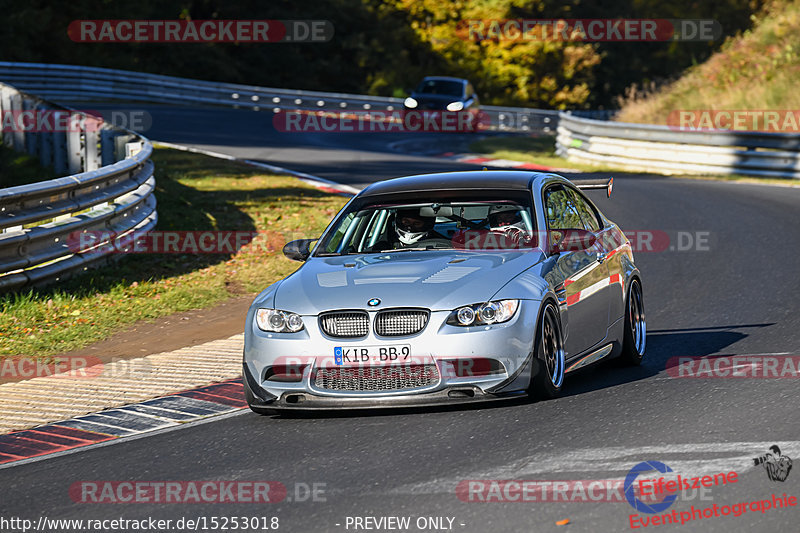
<point x="411" y="227"/>
<point x="503" y="215"/>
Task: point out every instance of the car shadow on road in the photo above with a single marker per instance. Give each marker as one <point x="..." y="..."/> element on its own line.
<point x="662" y="345"/>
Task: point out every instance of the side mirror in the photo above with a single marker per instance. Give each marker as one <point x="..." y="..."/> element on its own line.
<point x="571" y="240"/>
<point x="298" y="250"/>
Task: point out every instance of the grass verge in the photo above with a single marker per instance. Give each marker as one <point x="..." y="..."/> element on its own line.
<point x="738" y="178"/>
<point x="755" y="70"/>
<point x="540" y="150"/>
<point x="194" y="192"/>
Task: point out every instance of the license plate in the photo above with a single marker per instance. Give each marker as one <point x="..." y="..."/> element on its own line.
<point x="372" y="355"/>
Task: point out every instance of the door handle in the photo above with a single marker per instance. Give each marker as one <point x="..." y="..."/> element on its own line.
<point x="561" y="294"/>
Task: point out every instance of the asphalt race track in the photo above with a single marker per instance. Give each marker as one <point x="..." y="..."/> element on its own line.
<point x="734" y="294"/>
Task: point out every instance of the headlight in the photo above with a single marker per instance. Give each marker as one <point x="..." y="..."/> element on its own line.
<point x="410" y="103"/>
<point x="278" y="321"/>
<point x="465" y="316"/>
<point x="455" y="106"/>
<point x="484" y="314"/>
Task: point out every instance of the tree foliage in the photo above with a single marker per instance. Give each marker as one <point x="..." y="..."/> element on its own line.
<point x="382" y="47"/>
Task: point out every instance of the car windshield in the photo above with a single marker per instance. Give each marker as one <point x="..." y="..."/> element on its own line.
<point x="461" y="222"/>
<point x="441" y="87"/>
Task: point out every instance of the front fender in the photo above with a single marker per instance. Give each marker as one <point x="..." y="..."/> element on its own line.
<point x="528" y="285"/>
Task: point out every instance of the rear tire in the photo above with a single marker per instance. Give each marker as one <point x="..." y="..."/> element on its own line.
<point x="635" y="336"/>
<point x="548" y="356"/>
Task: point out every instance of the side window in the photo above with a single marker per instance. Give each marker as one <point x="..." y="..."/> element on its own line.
<point x="336" y="238"/>
<point x="373" y="230"/>
<point x="588" y="215"/>
<point x="561" y="211"/>
<point x="470" y="90"/>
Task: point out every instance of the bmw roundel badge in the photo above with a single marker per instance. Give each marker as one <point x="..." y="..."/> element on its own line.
<point x="373" y="302"/>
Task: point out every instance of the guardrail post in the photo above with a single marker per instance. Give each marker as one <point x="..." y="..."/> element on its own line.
<point x="91" y="160"/>
<point x="59" y="143"/>
<point x="5" y="108"/>
<point x="132" y="148"/>
<point x="46" y="141"/>
<point x="74" y="149"/>
<point x="107" y="150"/>
<point x="31" y="135"/>
<point x="17" y="134"/>
<point x="119" y="146"/>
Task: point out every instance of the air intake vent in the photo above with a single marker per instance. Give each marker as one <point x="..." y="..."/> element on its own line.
<point x="397" y="323"/>
<point x="347" y="324"/>
<point x="376" y="378"/>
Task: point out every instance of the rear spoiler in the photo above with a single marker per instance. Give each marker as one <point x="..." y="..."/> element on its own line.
<point x="601" y="183"/>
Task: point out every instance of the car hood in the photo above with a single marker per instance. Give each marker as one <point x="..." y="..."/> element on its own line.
<point x="434" y="280"/>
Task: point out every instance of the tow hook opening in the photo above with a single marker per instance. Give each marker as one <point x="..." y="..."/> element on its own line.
<point x="461" y="393"/>
<point x="295" y="398"/>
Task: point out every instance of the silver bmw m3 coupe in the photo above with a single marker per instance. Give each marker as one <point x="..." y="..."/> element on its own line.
<point x="452" y="287"/>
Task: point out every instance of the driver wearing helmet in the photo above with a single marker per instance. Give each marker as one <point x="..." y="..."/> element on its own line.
<point x="501" y="217"/>
<point x="411" y="227"/>
<point x="506" y="219"/>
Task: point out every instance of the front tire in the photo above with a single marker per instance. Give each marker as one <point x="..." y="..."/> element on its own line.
<point x="635" y="336"/>
<point x="548" y="356"/>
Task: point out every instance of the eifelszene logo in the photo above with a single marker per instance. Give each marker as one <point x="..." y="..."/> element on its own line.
<point x="630" y="484"/>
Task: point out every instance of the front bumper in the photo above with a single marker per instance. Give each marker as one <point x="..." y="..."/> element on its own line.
<point x="450" y="396"/>
<point x="509" y="343"/>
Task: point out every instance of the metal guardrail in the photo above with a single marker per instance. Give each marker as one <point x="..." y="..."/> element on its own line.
<point x="660" y="149"/>
<point x="108" y="192"/>
<point x="69" y="83"/>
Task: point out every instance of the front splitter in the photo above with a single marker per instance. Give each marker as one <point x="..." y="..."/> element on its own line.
<point x="456" y="395"/>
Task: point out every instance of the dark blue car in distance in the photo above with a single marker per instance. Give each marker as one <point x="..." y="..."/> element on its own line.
<point x="445" y="104"/>
<point x="442" y="93"/>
